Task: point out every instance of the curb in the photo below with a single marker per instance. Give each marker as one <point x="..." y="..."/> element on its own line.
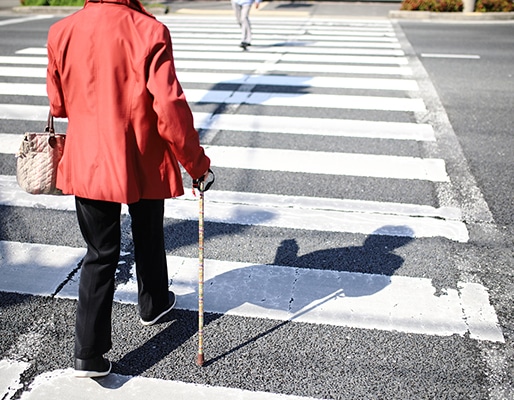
<point x="455" y="16"/>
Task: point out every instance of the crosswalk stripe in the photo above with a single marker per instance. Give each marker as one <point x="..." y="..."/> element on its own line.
<point x="277" y="211"/>
<point x="327" y="58"/>
<point x="24" y="19"/>
<point x="252" y="66"/>
<point x="228" y="25"/>
<point x="324" y="46"/>
<point x="23" y="60"/>
<point x="291" y="67"/>
<point x="316" y="126"/>
<point x="284" y="125"/>
<point x="280" y="38"/>
<point x="23" y="72"/>
<point x="306" y="100"/>
<point x="261" y="98"/>
<point x="9" y="142"/>
<point x="209" y="77"/>
<point x="319" y="162"/>
<point x="229" y="46"/>
<point x="329" y="297"/>
<point x="318" y="82"/>
<point x="62" y="384"/>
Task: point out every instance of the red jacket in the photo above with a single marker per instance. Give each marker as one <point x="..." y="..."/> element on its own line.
<point x="111" y="72"/>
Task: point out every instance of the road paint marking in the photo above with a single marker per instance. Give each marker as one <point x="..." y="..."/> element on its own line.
<point x="23" y="60"/>
<point x="325" y="215"/>
<point x="301" y="44"/>
<point x="25" y="72"/>
<point x="252" y="66"/>
<point x="261" y="98"/>
<point x="62" y="384"/>
<point x="49" y="266"/>
<point x="10" y="374"/>
<point x="280" y="80"/>
<point x="295" y="67"/>
<point x="306" y="100"/>
<point x="253" y="123"/>
<point x="464" y="56"/>
<point x="261" y="47"/>
<point x="24" y="19"/>
<point x="10" y="143"/>
<point x="280" y="38"/>
<point x="319" y="162"/>
<point x="300" y="81"/>
<point x="251" y="56"/>
<point x="329" y="297"/>
<point x="315" y="126"/>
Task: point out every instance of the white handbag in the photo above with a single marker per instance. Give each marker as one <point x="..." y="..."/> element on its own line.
<point x="38" y="159"/>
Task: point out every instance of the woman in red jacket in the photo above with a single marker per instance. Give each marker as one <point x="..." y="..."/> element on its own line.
<point x="111" y="73"/>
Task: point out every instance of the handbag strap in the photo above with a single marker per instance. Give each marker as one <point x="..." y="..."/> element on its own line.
<point x="50" y="123"/>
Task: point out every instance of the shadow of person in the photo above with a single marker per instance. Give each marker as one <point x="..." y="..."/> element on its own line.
<point x="287" y="291"/>
<point x="375" y="256"/>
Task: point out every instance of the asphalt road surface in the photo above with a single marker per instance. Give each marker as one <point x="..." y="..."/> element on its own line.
<point x="358" y="237"/>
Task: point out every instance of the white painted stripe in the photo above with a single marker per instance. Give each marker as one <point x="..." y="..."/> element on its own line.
<point x="391" y="303"/>
<point x="252" y="66"/>
<point x="465" y="56"/>
<point x="286" y="67"/>
<point x="328" y="204"/>
<point x="282" y="38"/>
<point x="292" y="43"/>
<point x="335" y="59"/>
<point x="23" y="89"/>
<point x="62" y="384"/>
<point x="23" y="60"/>
<point x="319" y="81"/>
<point x="329" y="297"/>
<point x="206" y="77"/>
<point x="319" y="162"/>
<point x="33" y="51"/>
<point x="479" y="317"/>
<point x="50" y="265"/>
<point x="23" y="112"/>
<point x="24" y="19"/>
<point x="261" y="98"/>
<point x="308" y="214"/>
<point x="332" y="28"/>
<point x="292" y="31"/>
<point x="229" y="45"/>
<point x="316" y="126"/>
<point x="9" y="143"/>
<point x="23" y="72"/>
<point x="291" y="49"/>
<point x="306" y="100"/>
<point x="10" y="374"/>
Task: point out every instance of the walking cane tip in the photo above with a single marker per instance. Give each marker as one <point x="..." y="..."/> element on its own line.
<point x="200" y="360"/>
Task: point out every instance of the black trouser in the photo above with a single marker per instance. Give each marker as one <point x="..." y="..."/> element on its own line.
<point x="99" y="223"/>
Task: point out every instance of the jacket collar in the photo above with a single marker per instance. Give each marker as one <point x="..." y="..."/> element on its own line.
<point x="134" y="4"/>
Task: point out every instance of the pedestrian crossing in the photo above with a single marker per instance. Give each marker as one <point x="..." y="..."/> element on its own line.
<point x="300" y="83"/>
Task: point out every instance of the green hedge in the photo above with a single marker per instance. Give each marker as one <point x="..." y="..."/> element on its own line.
<point x="494" y="5"/>
<point x="432" y="5"/>
<point x="456" y="5"/>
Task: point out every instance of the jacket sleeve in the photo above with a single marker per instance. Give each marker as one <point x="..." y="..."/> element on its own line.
<point x="53" y="87"/>
<point x="175" y="120"/>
